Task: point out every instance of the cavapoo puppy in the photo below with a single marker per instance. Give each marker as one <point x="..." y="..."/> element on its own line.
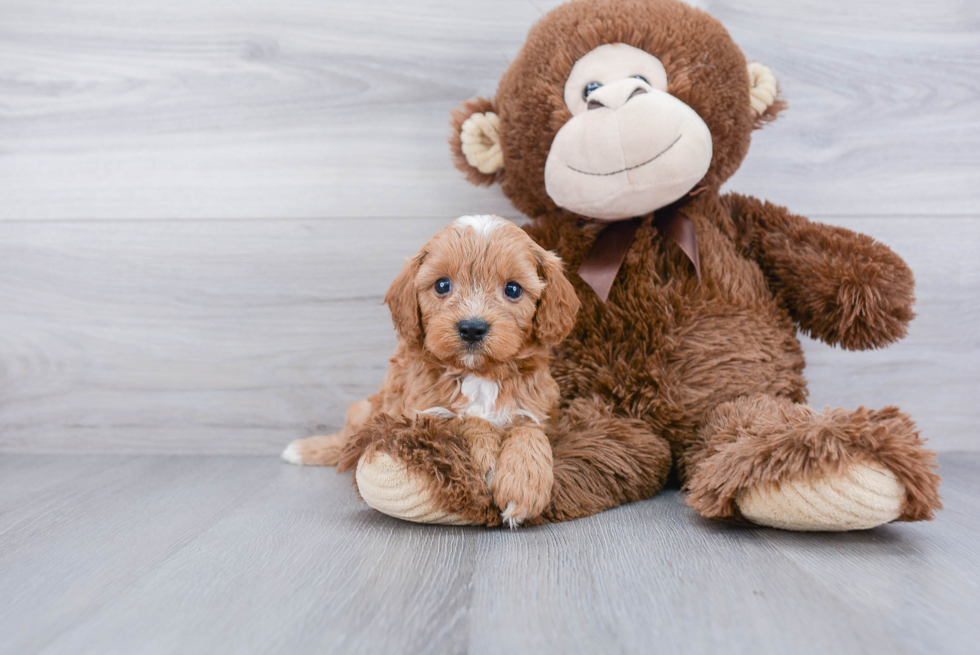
<point x="477" y="312"/>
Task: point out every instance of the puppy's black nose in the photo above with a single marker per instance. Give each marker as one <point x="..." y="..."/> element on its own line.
<point x="472" y="330"/>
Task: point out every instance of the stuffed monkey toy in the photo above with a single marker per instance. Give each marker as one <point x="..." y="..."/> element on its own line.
<point x="613" y="130"/>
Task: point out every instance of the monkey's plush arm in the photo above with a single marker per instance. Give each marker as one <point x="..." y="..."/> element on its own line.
<point x="841" y="287"/>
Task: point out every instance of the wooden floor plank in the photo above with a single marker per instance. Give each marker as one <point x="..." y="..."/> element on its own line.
<point x="72" y="549"/>
<point x="227" y="109"/>
<point x="248" y="555"/>
<point x="318" y="572"/>
<point x="652" y="573"/>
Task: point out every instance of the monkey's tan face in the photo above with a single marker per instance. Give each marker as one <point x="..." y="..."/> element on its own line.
<point x="478" y="290"/>
<point x="630" y="147"/>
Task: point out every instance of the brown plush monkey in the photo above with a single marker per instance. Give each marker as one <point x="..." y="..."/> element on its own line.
<point x="614" y="129"/>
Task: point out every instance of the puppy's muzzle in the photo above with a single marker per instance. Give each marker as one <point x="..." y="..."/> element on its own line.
<point x="472" y="330"/>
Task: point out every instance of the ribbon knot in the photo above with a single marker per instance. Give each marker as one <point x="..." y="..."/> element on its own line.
<point x="609" y="250"/>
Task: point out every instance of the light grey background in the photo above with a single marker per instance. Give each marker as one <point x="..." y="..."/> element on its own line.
<point x="202" y="203"/>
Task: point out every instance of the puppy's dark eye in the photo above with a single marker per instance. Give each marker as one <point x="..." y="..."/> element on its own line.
<point x="589" y="88"/>
<point x="443" y="286"/>
<point x="513" y="290"/>
<point x="641" y="78"/>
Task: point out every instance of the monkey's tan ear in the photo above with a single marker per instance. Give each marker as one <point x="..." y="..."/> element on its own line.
<point x="763" y="94"/>
<point x="403" y="301"/>
<point x="475" y="141"/>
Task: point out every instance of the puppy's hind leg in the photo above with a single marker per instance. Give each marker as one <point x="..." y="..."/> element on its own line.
<point x="325" y="450"/>
<point x="316" y="451"/>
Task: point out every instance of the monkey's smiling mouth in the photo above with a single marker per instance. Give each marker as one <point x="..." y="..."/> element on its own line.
<point x="630" y="168"/>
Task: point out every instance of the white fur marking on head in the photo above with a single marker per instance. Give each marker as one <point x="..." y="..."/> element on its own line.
<point x="484" y="224"/>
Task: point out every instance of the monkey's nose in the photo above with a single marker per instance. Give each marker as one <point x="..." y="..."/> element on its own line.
<point x="617" y="94"/>
<point x="472" y="330"/>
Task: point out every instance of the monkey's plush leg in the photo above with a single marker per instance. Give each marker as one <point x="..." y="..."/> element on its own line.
<point x="781" y="464"/>
<point x="522" y="483"/>
<point x="325" y="450"/>
<point x="602" y="461"/>
<point x="422" y="469"/>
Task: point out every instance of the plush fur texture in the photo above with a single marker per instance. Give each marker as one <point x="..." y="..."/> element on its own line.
<point x="702" y="377"/>
<point x="840" y="287"/>
<point x="438" y="449"/>
<point x="758" y="439"/>
<point x="602" y="460"/>
<point x="498" y="390"/>
<point x="705" y="69"/>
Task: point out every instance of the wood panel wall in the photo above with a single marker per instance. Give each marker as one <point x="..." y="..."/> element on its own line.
<point x="203" y="202"/>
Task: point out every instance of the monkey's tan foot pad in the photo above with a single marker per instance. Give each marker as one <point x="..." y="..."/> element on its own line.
<point x="863" y="496"/>
<point x="386" y="485"/>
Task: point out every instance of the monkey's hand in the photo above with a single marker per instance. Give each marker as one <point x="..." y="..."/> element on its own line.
<point x="841" y="287"/>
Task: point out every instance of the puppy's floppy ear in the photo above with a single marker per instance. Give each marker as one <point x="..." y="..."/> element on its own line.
<point x="558" y="304"/>
<point x="475" y="141"/>
<point x="403" y="301"/>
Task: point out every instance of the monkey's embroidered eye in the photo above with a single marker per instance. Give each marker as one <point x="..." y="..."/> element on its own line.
<point x="443" y="286"/>
<point x="641" y="78"/>
<point x="589" y="88"/>
<point x="513" y="290"/>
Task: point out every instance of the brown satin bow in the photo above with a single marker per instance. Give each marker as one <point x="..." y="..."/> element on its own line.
<point x="609" y="250"/>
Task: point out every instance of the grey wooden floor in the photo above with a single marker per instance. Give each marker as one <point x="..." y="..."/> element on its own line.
<point x="201" y="205"/>
<point x="221" y="554"/>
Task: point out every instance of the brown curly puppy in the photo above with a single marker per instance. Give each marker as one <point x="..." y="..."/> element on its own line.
<point x="477" y="311"/>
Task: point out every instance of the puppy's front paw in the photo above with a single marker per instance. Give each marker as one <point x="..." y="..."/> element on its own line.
<point x="484" y="440"/>
<point x="524" y="476"/>
<point x="315" y="451"/>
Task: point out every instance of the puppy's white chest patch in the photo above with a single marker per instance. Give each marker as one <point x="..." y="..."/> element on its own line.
<point x="481" y="399"/>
